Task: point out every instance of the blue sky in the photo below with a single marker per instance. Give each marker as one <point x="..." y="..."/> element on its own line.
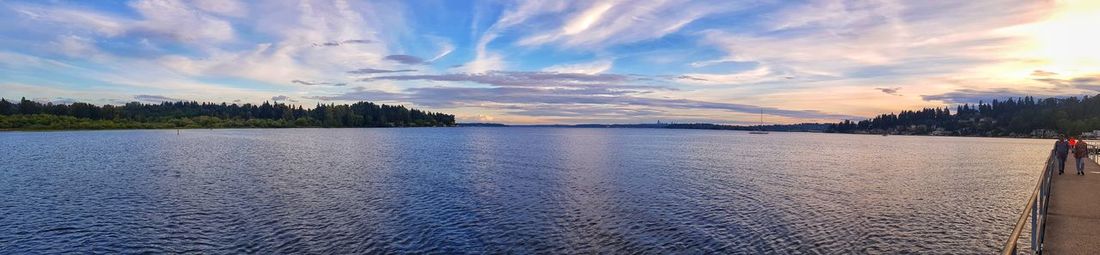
<point x="597" y="61"/>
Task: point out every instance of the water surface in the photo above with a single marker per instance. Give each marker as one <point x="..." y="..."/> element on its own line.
<point x="508" y="190"/>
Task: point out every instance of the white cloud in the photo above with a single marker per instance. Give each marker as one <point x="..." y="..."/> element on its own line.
<point x="178" y="21"/>
<point x="266" y="62"/>
<point x="74" y="19"/>
<point x="162" y="19"/>
<point x="75" y="46"/>
<point x="297" y="27"/>
<point x="757" y="75"/>
<point x="232" y="8"/>
<point x="484" y="62"/>
<point x="584" y="20"/>
<point x="851" y="36"/>
<point x="593" y="67"/>
<point x="213" y="49"/>
<point x="476" y="118"/>
<point x="199" y="25"/>
<point x="19" y="61"/>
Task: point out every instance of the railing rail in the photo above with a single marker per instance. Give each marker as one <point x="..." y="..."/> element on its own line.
<point x="1036" y="210"/>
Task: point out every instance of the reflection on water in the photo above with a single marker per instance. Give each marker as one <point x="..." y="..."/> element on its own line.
<point x="508" y="190"/>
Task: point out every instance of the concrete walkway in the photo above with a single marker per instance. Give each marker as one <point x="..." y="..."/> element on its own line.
<point x="1073" y="223"/>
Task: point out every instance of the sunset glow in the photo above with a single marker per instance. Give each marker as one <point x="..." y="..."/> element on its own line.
<point x="556" y="61"/>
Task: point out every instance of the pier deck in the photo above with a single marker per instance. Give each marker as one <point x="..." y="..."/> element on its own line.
<point x="1073" y="220"/>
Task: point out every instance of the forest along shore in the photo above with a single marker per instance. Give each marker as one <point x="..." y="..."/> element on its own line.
<point x="31" y="115"/>
<point x="1024" y="117"/>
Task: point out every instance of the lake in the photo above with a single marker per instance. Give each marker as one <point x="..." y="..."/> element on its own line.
<point x="508" y="190"/>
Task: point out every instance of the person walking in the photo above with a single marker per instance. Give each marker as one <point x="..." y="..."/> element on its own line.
<point x="1061" y="151"/>
<point x="1081" y="152"/>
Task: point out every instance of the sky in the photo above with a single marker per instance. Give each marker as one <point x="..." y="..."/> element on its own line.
<point x="550" y="61"/>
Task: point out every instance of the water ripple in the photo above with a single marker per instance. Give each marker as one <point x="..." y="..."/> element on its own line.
<point x="507" y="190"/>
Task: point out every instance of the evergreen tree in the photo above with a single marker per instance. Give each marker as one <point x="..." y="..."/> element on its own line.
<point x="6" y="108"/>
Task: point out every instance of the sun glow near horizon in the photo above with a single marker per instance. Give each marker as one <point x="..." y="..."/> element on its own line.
<point x="1067" y="43"/>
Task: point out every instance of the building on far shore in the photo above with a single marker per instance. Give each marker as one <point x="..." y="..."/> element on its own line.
<point x="1095" y="134"/>
<point x="1044" y="133"/>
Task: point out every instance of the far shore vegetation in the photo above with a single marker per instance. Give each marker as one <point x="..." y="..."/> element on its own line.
<point x="1024" y="117"/>
<point x="30" y="115"/>
<point x="1014" y="117"/>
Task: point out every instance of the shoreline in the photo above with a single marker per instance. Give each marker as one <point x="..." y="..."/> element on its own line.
<point x="974" y="136"/>
<point x="220" y="128"/>
<point x="536" y="126"/>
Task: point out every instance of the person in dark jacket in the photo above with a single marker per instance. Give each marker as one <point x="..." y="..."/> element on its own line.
<point x="1061" y="151"/>
<point x="1081" y="152"/>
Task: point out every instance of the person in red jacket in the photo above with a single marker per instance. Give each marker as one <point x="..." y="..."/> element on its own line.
<point x="1081" y="152"/>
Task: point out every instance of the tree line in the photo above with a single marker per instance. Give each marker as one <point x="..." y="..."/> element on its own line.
<point x="27" y="114"/>
<point x="1024" y="116"/>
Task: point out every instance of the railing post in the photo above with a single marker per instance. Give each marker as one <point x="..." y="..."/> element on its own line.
<point x="1034" y="224"/>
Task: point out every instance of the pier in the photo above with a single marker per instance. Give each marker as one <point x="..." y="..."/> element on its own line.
<point x="1062" y="215"/>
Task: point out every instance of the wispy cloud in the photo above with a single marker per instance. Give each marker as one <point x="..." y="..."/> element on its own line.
<point x="593" y="67"/>
<point x="964" y="96"/>
<point x="155" y="98"/>
<point x="230" y="8"/>
<point x="406" y="59"/>
<point x="1088" y="82"/>
<point x="344" y="42"/>
<point x="1081" y="87"/>
<point x="376" y="71"/>
<point x="1041" y="73"/>
<point x="56" y="100"/>
<point x="283" y="98"/>
<point x="845" y="39"/>
<point x="890" y="91"/>
<point x="309" y="83"/>
<point x="175" y="20"/>
<point x="445" y="48"/>
<point x="525" y="79"/>
<point x="595" y="24"/>
<point x="485" y="60"/>
<point x="756" y="75"/>
<point x="691" y="78"/>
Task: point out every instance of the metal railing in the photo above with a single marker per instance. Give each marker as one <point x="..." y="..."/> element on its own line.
<point x="1094" y="152"/>
<point x="1036" y="208"/>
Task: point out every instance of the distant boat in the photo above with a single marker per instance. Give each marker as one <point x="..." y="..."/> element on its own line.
<point x="760" y="129"/>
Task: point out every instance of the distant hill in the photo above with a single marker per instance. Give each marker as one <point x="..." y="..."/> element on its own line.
<point x="803" y="127"/>
<point x="480" y="125"/>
